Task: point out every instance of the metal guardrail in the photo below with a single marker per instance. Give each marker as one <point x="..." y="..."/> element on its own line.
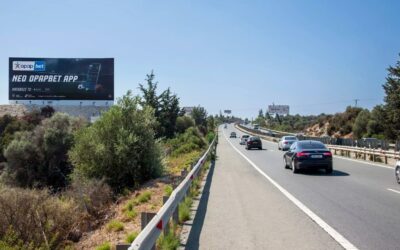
<point x="149" y="235"/>
<point x="359" y="152"/>
<point x="365" y="152"/>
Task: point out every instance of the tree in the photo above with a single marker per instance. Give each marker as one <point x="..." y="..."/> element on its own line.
<point x="39" y="158"/>
<point x="165" y="106"/>
<point x="168" y="114"/>
<point x="392" y="102"/>
<point x="183" y="123"/>
<point x="119" y="147"/>
<point x="360" y="124"/>
<point x="376" y="126"/>
<point x="149" y="92"/>
<point x="260" y="113"/>
<point x="199" y="115"/>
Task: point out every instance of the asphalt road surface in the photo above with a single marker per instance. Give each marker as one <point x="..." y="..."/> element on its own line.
<point x="243" y="209"/>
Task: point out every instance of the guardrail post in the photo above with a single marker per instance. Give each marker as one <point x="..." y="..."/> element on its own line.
<point x="122" y="246"/>
<point x="175" y="215"/>
<point x="166" y="228"/>
<point x="145" y="219"/>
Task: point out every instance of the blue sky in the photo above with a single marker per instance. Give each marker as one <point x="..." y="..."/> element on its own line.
<point x="316" y="56"/>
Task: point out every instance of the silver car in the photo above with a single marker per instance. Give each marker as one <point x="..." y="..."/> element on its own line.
<point x="286" y="141"/>
<point x="397" y="172"/>
<point x="244" y="139"/>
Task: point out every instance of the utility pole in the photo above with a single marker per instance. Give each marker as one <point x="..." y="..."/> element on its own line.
<point x="356" y="101"/>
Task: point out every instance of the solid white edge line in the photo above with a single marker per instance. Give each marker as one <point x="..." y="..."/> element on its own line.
<point x="393" y="190"/>
<point x="332" y="232"/>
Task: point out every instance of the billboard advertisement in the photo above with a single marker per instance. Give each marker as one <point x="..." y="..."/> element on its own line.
<point x="61" y="79"/>
<point x="278" y="109"/>
<point x="227" y="111"/>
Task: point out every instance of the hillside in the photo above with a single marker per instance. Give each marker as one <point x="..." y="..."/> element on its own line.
<point x="13" y="110"/>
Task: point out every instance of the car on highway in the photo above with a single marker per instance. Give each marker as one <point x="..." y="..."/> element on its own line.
<point x="286" y="141"/>
<point x="308" y="154"/>
<point x="244" y="139"/>
<point x="225" y="126"/>
<point x="254" y="142"/>
<point x="397" y="172"/>
<point x="256" y="127"/>
<point x="233" y="135"/>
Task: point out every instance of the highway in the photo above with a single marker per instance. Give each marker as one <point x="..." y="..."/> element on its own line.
<point x="255" y="203"/>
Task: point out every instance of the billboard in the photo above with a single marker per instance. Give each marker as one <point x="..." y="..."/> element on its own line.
<point x="227" y="111"/>
<point x="61" y="79"/>
<point x="278" y="109"/>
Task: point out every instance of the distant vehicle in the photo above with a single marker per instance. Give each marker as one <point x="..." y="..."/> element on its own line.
<point x="397" y="172"/>
<point x="308" y="155"/>
<point x="286" y="141"/>
<point x="233" y="135"/>
<point x="244" y="139"/>
<point x="225" y="126"/>
<point x="371" y="142"/>
<point x="256" y="127"/>
<point x="254" y="142"/>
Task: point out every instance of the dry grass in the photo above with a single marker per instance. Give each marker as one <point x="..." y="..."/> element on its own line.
<point x="176" y="164"/>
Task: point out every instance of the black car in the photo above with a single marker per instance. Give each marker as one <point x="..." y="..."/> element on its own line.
<point x="254" y="142"/>
<point x="308" y="155"/>
<point x="233" y="135"/>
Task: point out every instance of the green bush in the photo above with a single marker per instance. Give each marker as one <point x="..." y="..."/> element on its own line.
<point x="168" y="190"/>
<point x="38" y="158"/>
<point x="115" y="226"/>
<point x="29" y="215"/>
<point x="183" y="123"/>
<point x="184" y="209"/>
<point x="210" y="136"/>
<point x="144" y="197"/>
<point x="169" y="241"/>
<point x="131" y="237"/>
<point x="120" y="146"/>
<point x="104" y="246"/>
<point x="187" y="142"/>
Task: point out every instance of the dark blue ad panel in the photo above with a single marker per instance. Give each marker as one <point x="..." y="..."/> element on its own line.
<point x="61" y="79"/>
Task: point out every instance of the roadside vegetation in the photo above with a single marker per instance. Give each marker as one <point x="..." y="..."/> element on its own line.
<point x="382" y="121"/>
<point x="61" y="177"/>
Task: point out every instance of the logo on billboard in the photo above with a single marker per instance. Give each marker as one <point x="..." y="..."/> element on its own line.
<point x="29" y="66"/>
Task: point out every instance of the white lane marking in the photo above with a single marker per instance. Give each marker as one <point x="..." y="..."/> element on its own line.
<point x="393" y="190"/>
<point x="332" y="232"/>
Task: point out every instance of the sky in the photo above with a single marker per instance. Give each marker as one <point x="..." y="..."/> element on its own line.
<point x="316" y="56"/>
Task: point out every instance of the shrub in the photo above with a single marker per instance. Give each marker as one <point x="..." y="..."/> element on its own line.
<point x="129" y="210"/>
<point x="35" y="217"/>
<point x="104" y="246"/>
<point x="168" y="190"/>
<point x="187" y="142"/>
<point x="183" y="123"/>
<point x="144" y="197"/>
<point x="131" y="237"/>
<point x="210" y="136"/>
<point x="38" y="158"/>
<point x="120" y="146"/>
<point x="169" y="241"/>
<point x="115" y="226"/>
<point x="184" y="210"/>
<point x="92" y="196"/>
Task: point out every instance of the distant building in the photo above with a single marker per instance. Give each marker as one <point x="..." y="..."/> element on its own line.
<point x="188" y="110"/>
